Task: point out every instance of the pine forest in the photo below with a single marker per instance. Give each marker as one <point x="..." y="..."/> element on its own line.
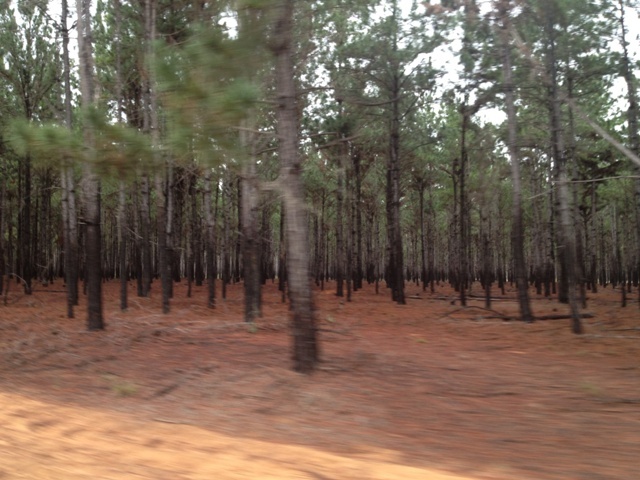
<point x="291" y="239"/>
<point x="471" y="143"/>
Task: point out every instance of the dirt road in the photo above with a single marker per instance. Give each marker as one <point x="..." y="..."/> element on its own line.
<point x="44" y="441"/>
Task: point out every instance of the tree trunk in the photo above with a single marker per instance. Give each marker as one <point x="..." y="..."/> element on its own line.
<point x="153" y="129"/>
<point x="250" y="243"/>
<point x="210" y="241"/>
<point x="145" y="235"/>
<point x="122" y="242"/>
<point x="396" y="263"/>
<point x="3" y="219"/>
<point x="192" y="242"/>
<point x="357" y="159"/>
<point x="632" y="118"/>
<point x="423" y="242"/>
<point x="567" y="249"/>
<point x="282" y="257"/>
<point x="517" y="231"/>
<point x="463" y="266"/>
<point x="340" y="214"/>
<point x="303" y="325"/>
<point x="163" y="257"/>
<point x="226" y="247"/>
<point x="122" y="195"/>
<point x="91" y="184"/>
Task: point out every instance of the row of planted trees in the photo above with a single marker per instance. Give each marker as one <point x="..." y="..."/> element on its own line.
<point x="287" y="141"/>
<point x="606" y="232"/>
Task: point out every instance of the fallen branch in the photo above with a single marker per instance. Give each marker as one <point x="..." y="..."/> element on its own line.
<point x="562" y="317"/>
<point x="496" y="313"/>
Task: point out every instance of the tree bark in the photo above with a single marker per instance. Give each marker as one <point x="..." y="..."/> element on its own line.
<point x="517" y="231"/>
<point x="303" y="324"/>
<point x="566" y="248"/>
<point x="210" y="241"/>
<point x="632" y="118"/>
<point x="91" y="184"/>
<point x="250" y="243"/>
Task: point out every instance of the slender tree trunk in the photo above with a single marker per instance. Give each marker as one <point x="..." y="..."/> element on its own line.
<point x="340" y="214"/>
<point x="210" y="241"/>
<point x="160" y="175"/>
<point x="226" y="248"/>
<point x="250" y="243"/>
<point x="517" y="231"/>
<point x="3" y="219"/>
<point x="577" y="225"/>
<point x="70" y="220"/>
<point x="122" y="242"/>
<point x="122" y="194"/>
<point x="463" y="259"/>
<point x="282" y="256"/>
<point x="357" y="160"/>
<point x="431" y="242"/>
<point x="322" y="241"/>
<point x="567" y="248"/>
<point x="169" y="226"/>
<point x="303" y="326"/>
<point x="163" y="257"/>
<point x="91" y="184"/>
<point x="348" y="251"/>
<point x="632" y="118"/>
<point x="487" y="274"/>
<point x="191" y="233"/>
<point x="24" y="224"/>
<point x="394" y="231"/>
<point x="396" y="262"/>
<point x="144" y="225"/>
<point x="423" y="233"/>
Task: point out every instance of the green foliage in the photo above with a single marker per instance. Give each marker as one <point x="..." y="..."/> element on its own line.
<point x="48" y="144"/>
<point x="207" y="91"/>
<point x="29" y="66"/>
<point x="120" y="150"/>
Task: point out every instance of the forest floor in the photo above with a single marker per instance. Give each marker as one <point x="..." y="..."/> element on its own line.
<point x="428" y="390"/>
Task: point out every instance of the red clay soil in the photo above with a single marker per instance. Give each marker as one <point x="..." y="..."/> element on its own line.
<point x="428" y="390"/>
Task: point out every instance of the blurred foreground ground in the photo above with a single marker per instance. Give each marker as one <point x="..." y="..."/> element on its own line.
<point x="423" y="391"/>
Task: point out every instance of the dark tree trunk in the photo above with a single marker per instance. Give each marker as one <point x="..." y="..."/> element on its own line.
<point x="463" y="259"/>
<point x="423" y="253"/>
<point x="431" y="242"/>
<point x="517" y="230"/>
<point x="69" y="214"/>
<point x="3" y="220"/>
<point x="250" y="243"/>
<point x="348" y="251"/>
<point x="210" y="220"/>
<point x="226" y="236"/>
<point x="91" y="184"/>
<point x="122" y="196"/>
<point x="144" y="225"/>
<point x="567" y="249"/>
<point x="303" y="326"/>
<point x="282" y="257"/>
<point x="396" y="263"/>
<point x="192" y="243"/>
<point x="122" y="242"/>
<point x="632" y="118"/>
<point x="24" y="224"/>
<point x="163" y="257"/>
<point x="339" y="260"/>
<point x="357" y="160"/>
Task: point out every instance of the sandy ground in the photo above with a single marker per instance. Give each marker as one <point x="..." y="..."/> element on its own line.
<point x="428" y="390"/>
